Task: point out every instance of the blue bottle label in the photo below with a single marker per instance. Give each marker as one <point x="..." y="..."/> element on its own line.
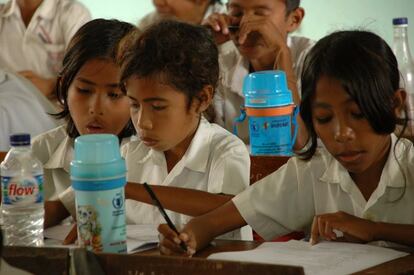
<point x="22" y="190"/>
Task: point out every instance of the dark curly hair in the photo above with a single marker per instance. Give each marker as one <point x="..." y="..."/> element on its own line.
<point x="97" y="39"/>
<point x="181" y="55"/>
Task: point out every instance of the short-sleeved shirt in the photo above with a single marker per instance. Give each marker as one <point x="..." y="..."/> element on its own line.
<point x="54" y="149"/>
<point x="233" y="68"/>
<point x="288" y="199"/>
<point x="40" y="47"/>
<point x="22" y="109"/>
<point x="216" y="161"/>
<point x="155" y="17"/>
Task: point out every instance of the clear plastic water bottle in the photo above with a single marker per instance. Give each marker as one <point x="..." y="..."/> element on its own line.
<point x="22" y="194"/>
<point x="401" y="50"/>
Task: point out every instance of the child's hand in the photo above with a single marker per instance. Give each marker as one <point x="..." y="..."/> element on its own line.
<point x="170" y="241"/>
<point x="256" y="29"/>
<point x="354" y="229"/>
<point x="219" y="24"/>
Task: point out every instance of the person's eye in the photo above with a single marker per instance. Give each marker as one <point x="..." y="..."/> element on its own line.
<point x="261" y="12"/>
<point x="236" y="13"/>
<point x="323" y="119"/>
<point x="82" y="90"/>
<point x="357" y="115"/>
<point x="158" y="107"/>
<point x="115" y="95"/>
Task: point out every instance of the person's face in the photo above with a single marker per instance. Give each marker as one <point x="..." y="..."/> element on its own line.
<point x="96" y="103"/>
<point x="344" y="131"/>
<point x="160" y="114"/>
<point x="183" y="10"/>
<point x="245" y="12"/>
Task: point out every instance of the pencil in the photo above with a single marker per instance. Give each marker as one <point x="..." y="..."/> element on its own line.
<point x="163" y="213"/>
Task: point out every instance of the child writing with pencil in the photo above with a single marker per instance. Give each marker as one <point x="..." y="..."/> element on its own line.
<point x="92" y="102"/>
<point x="169" y="74"/>
<point x="360" y="183"/>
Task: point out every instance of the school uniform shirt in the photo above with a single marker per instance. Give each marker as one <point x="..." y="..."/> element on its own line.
<point x="288" y="199"/>
<point x="234" y="67"/>
<point x="22" y="109"/>
<point x="155" y="17"/>
<point x="216" y="161"/>
<point x="54" y="149"/>
<point x="40" y="47"/>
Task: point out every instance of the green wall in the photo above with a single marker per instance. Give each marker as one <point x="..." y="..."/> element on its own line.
<point x="322" y="16"/>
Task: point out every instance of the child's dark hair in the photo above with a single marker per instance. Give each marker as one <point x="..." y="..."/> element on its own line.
<point x="97" y="39"/>
<point x="368" y="71"/>
<point x="181" y="55"/>
<point x="292" y="5"/>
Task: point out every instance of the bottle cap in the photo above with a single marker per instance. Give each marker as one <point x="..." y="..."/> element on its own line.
<point x="400" y="21"/>
<point x="20" y="139"/>
<point x="266" y="89"/>
<point x="97" y="157"/>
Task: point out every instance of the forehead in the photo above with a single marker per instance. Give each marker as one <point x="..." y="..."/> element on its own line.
<point x="330" y="91"/>
<point x="257" y="3"/>
<point x="142" y="87"/>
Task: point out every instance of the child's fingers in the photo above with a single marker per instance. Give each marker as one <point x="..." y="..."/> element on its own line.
<point x="168" y="246"/>
<point x="167" y="232"/>
<point x="72" y="236"/>
<point x="218" y="22"/>
<point x="314" y="231"/>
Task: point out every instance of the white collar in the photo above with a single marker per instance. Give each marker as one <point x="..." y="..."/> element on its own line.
<point x="62" y="156"/>
<point x="46" y="10"/>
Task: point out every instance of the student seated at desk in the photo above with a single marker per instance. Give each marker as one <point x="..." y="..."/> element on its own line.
<point x="169" y="74"/>
<point x="361" y="183"/>
<point x="92" y="101"/>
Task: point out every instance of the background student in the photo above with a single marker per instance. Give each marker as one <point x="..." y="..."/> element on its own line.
<point x="169" y="74"/>
<point x="262" y="42"/>
<point x="34" y="35"/>
<point x="360" y="183"/>
<point x="189" y="11"/>
<point x="92" y="102"/>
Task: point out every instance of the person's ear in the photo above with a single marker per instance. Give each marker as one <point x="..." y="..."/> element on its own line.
<point x="294" y="19"/>
<point x="400" y="97"/>
<point x="205" y="97"/>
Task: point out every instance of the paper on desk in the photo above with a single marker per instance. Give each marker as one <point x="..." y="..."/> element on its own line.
<point x="322" y="258"/>
<point x="139" y="237"/>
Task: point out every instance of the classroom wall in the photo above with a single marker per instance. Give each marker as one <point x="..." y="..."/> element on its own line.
<point x="322" y="16"/>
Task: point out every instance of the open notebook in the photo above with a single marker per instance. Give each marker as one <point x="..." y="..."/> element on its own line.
<point x="322" y="258"/>
<point x="139" y="237"/>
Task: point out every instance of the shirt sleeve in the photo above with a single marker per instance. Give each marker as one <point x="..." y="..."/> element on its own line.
<point x="230" y="170"/>
<point x="281" y="202"/>
<point x="74" y="15"/>
<point x="4" y="130"/>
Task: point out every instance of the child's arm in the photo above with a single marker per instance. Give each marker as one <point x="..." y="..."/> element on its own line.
<point x="55" y="212"/>
<point x="360" y="230"/>
<point x="201" y="230"/>
<point x="181" y="200"/>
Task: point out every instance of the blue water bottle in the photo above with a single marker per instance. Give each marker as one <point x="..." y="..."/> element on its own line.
<point x="271" y="113"/>
<point x="98" y="177"/>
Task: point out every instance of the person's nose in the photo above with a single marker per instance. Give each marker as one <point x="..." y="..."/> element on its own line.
<point x="343" y="132"/>
<point x="144" y="121"/>
<point x="96" y="105"/>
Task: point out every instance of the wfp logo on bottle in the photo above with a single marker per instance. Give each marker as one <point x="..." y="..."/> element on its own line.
<point x="22" y="191"/>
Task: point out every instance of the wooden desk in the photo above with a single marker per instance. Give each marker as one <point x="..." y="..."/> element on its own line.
<point x="261" y="166"/>
<point x="2" y="156"/>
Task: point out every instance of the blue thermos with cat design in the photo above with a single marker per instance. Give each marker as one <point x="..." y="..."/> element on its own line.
<point x="98" y="175"/>
<point x="271" y="113"/>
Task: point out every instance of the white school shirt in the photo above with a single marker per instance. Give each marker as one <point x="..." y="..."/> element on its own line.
<point x="54" y="149"/>
<point x="216" y="161"/>
<point x="155" y="17"/>
<point x="233" y="69"/>
<point x="288" y="199"/>
<point x="22" y="109"/>
<point x="40" y="47"/>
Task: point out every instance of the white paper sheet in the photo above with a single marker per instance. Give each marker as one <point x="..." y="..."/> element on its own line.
<point x="322" y="258"/>
<point x="139" y="237"/>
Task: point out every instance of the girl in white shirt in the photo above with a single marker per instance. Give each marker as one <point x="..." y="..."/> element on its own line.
<point x="360" y="184"/>
<point x="169" y="74"/>
<point x="92" y="102"/>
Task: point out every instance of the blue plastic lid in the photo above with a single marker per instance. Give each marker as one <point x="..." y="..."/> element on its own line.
<point x="97" y="157"/>
<point x="20" y="139"/>
<point x="266" y="89"/>
<point x="400" y="21"/>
